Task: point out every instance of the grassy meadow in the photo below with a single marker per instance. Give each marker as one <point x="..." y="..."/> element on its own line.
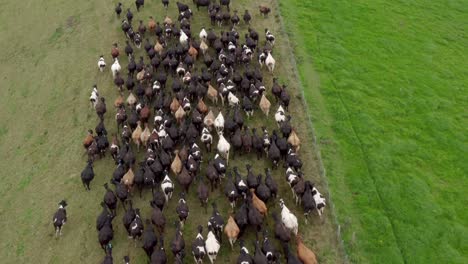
<point x="49" y="52"/>
<point x="386" y="84"/>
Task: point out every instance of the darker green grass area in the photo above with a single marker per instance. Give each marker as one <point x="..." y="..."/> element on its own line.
<point x="56" y="35"/>
<point x="389" y="105"/>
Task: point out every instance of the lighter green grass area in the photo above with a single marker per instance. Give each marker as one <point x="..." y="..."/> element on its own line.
<point x="386" y="83"/>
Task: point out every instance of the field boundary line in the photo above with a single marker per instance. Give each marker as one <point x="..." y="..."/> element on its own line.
<point x="366" y="162"/>
<point x="322" y="170"/>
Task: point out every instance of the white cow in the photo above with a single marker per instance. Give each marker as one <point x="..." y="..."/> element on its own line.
<point x="183" y="39"/>
<point x="289" y="219"/>
<point x="212" y="245"/>
<point x="233" y="100"/>
<point x="270" y="62"/>
<point x="203" y="34"/>
<point x="115" y="68"/>
<point x="219" y="122"/>
<point x="224" y="147"/>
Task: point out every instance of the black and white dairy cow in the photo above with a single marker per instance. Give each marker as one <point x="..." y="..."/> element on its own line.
<point x="198" y="247"/>
<point x="216" y="222"/>
<point x="319" y="201"/>
<point x="60" y="218"/>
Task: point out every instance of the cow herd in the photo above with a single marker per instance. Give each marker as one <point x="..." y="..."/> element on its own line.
<point x="160" y="110"/>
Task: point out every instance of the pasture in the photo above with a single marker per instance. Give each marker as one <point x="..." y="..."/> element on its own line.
<point x="49" y="51"/>
<point x="387" y="92"/>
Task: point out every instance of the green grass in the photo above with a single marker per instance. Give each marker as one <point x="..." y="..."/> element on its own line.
<point x="49" y="51"/>
<point x="386" y="83"/>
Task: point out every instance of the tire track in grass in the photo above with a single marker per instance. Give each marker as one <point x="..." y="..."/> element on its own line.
<point x="366" y="162"/>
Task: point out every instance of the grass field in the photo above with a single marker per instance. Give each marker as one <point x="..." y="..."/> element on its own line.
<point x="386" y="83"/>
<point x="49" y="51"/>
